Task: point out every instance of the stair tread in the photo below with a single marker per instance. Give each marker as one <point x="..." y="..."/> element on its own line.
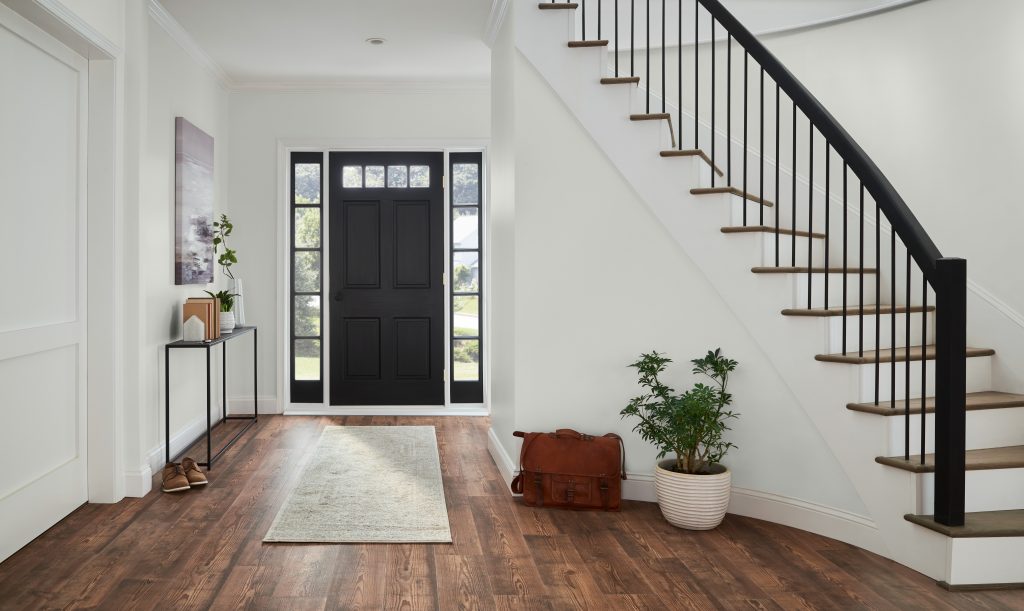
<point x="1005" y="523"/>
<point x="693" y="153"/>
<point x="1010" y="457"/>
<point x="988" y="399"/>
<point x="650" y="116"/>
<point x="766" y="229"/>
<point x="733" y="191"/>
<point x="619" y="80"/>
<point x="557" y="5"/>
<point x="854" y="310"/>
<point x="575" y="44"/>
<point x="888" y="355"/>
<point x="804" y="270"/>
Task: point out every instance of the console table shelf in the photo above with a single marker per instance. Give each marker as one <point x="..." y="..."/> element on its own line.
<point x="207" y="345"/>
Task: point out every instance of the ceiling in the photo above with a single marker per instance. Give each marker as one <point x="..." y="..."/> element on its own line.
<point x="272" y="43"/>
<point x="324" y="41"/>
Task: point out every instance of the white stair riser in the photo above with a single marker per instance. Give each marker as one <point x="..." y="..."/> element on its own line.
<point x="987" y="490"/>
<point x="762" y="248"/>
<point x="835" y="289"/>
<point x="988" y="428"/>
<point x="982" y="560"/>
<point x="979" y="378"/>
<point x="754" y="212"/>
<point x="853" y="333"/>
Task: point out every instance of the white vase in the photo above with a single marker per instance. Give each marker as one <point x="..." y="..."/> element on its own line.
<point x="694" y="502"/>
<point x="239" y="309"/>
<point x="227" y="322"/>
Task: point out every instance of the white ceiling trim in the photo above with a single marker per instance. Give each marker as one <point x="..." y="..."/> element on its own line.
<point x="365" y="86"/>
<point x="177" y="33"/>
<point x="499" y="9"/>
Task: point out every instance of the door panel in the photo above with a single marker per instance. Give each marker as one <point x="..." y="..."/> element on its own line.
<point x="43" y="89"/>
<point x="386" y="291"/>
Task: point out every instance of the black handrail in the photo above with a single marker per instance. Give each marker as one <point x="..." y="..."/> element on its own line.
<point x="924" y="250"/>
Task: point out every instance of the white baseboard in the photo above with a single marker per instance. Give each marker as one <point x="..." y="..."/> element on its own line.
<point x="138" y="482"/>
<point x="298" y="409"/>
<point x="242" y="406"/>
<point x="819" y="519"/>
<point x="501" y="459"/>
<point x="179" y="441"/>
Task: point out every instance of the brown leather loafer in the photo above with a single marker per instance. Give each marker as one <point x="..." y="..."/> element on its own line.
<point x="193" y="473"/>
<point x="174" y="479"/>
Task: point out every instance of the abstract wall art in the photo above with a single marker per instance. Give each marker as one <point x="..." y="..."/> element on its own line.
<point x="193" y="204"/>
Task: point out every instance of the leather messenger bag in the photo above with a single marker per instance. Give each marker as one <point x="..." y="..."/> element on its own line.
<point x="570" y="470"/>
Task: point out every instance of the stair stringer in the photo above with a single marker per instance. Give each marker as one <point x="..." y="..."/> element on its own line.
<point x="822" y="389"/>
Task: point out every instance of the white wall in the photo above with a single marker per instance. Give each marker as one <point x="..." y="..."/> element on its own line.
<point x="176" y="86"/>
<point x="598" y="280"/>
<point x="258" y="120"/>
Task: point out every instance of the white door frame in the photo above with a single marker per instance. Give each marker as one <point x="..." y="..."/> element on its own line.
<point x="284" y="148"/>
<point x="105" y="239"/>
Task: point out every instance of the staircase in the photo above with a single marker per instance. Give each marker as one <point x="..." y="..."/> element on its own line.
<point x="777" y="204"/>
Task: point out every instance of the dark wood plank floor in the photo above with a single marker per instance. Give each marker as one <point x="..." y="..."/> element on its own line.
<point x="202" y="549"/>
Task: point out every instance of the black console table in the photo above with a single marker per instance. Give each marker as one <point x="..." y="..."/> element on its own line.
<point x="222" y="341"/>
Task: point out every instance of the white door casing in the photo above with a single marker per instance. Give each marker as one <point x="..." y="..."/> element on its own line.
<point x="43" y="119"/>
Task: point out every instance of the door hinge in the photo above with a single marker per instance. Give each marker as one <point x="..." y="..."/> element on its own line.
<point x="444" y="375"/>
<point x="444" y="183"/>
<point x="444" y="278"/>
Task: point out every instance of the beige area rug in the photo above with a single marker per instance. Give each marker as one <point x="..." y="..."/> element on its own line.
<point x="367" y="484"/>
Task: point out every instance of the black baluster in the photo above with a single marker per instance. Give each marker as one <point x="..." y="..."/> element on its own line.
<point x="878" y="295"/>
<point x="924" y="370"/>
<point x="714" y="77"/>
<point x="792" y="215"/>
<point x="647" y="81"/>
<point x="679" y="83"/>
<point x="828" y="204"/>
<point x="663" y="56"/>
<point x="778" y="204"/>
<point x="746" y="58"/>
<point x="761" y="151"/>
<point x="892" y="325"/>
<point x="584" y="18"/>
<point x="599" y="19"/>
<point x="860" y="276"/>
<point x="906" y="389"/>
<point x="617" y="47"/>
<point x="845" y="256"/>
<point x="728" y="110"/>
<point x="810" y="206"/>
<point x="632" y="37"/>
<point x="696" y="75"/>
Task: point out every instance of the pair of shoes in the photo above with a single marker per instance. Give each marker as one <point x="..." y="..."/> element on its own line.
<point x="181" y="477"/>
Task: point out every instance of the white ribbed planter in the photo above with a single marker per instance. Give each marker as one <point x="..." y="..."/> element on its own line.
<point x="695" y="502"/>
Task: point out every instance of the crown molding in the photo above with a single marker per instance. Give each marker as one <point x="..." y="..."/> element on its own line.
<point x="499" y="10"/>
<point x="177" y="33"/>
<point x="377" y="87"/>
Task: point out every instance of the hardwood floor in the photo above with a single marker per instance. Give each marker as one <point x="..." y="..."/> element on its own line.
<point x="202" y="549"/>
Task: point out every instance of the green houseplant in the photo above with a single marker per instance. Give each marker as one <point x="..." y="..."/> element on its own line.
<point x="693" y="486"/>
<point x="226" y="257"/>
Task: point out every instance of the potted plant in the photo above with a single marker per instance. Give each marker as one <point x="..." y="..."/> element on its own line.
<point x="693" y="487"/>
<point x="226" y="257"/>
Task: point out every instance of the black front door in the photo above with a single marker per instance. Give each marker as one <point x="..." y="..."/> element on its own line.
<point x="386" y="290"/>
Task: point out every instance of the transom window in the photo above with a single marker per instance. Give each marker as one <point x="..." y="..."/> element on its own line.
<point x="391" y="177"/>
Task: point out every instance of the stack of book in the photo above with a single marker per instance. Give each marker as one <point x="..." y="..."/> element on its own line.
<point x="206" y="309"/>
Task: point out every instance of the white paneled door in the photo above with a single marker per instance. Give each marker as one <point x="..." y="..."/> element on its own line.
<point x="43" y="94"/>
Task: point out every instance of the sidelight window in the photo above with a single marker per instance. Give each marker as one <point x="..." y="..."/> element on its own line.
<point x="466" y="278"/>
<point x="307" y="275"/>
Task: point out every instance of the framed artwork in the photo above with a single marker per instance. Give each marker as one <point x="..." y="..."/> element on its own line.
<point x="193" y="204"/>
